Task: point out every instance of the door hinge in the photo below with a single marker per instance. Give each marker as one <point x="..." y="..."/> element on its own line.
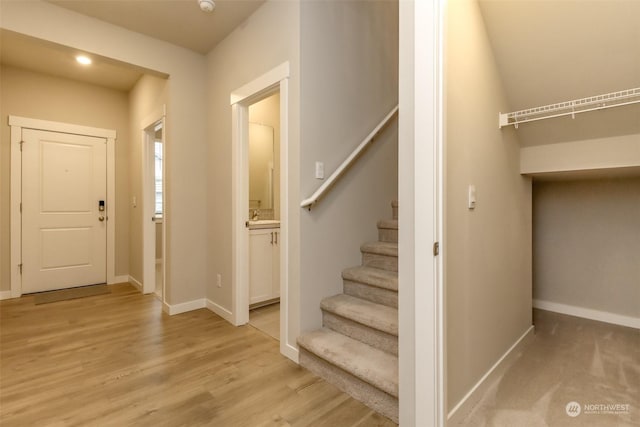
<point x="20" y="267"/>
<point x="436" y="249"/>
<point x="20" y="207"/>
<point x="21" y="142"/>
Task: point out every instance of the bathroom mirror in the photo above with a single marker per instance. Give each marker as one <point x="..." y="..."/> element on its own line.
<point x="261" y="153"/>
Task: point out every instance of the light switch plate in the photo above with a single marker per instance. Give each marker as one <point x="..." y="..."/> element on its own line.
<point x="472" y="197"/>
<point x="319" y="170"/>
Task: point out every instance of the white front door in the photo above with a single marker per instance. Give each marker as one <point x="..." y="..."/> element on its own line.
<point x="64" y="216"/>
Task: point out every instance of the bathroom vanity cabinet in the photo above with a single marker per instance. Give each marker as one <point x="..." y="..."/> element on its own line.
<point x="264" y="264"/>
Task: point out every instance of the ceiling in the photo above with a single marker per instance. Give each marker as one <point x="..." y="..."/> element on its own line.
<point x="180" y="22"/>
<point x="37" y="55"/>
<point x="561" y="50"/>
<point x="546" y="51"/>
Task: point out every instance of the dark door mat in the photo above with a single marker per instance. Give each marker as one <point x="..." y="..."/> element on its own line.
<point x="72" y="293"/>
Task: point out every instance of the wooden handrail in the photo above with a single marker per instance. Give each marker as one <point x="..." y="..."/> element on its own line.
<point x="319" y="193"/>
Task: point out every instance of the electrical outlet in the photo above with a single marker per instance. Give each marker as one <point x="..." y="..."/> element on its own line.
<point x="219" y="281"/>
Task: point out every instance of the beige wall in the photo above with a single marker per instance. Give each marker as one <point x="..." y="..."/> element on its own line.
<point x="349" y="65"/>
<point x="487" y="250"/>
<point x="586" y="240"/>
<point x="186" y="124"/>
<point x="39" y="96"/>
<point x="267" y="39"/>
<point x="146" y="100"/>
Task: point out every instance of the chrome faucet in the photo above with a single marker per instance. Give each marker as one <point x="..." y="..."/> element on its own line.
<point x="255" y="215"/>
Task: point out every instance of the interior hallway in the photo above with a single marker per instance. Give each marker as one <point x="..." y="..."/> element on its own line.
<point x="569" y="359"/>
<point x="118" y="360"/>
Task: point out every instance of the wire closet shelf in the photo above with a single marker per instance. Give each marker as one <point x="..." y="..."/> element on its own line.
<point x="592" y="103"/>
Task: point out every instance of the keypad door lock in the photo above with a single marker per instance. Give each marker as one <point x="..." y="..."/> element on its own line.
<point x="101" y="205"/>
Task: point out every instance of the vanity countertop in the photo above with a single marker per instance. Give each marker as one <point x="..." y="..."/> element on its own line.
<point x="264" y="223"/>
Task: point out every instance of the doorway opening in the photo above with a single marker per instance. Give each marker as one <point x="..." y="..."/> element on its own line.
<point x="264" y="214"/>
<point x="154" y="222"/>
<point x="259" y="217"/>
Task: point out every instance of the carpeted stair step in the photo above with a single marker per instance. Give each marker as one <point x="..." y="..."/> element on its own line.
<point x="388" y="230"/>
<point x="383" y="255"/>
<point x="366" y="373"/>
<point x="366" y="321"/>
<point x="394" y="208"/>
<point x="373" y="284"/>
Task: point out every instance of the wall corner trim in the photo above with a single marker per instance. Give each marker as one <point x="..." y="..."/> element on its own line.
<point x="136" y="283"/>
<point x="119" y="279"/>
<point x="220" y="310"/>
<point x="5" y="295"/>
<point x="290" y="352"/>
<point x="183" y="307"/>
<point x="588" y="313"/>
<point x="466" y="404"/>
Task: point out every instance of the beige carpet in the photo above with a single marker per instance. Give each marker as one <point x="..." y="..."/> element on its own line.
<point x="72" y="293"/>
<point x="575" y="372"/>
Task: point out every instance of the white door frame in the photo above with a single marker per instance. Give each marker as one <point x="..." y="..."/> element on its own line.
<point x="274" y="80"/>
<point x="420" y="176"/>
<point x="17" y="124"/>
<point x="148" y="205"/>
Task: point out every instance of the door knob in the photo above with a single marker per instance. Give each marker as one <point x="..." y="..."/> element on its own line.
<point x="101" y="218"/>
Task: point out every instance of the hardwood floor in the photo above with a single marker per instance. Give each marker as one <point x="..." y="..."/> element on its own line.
<point x="266" y="319"/>
<point x="118" y="360"/>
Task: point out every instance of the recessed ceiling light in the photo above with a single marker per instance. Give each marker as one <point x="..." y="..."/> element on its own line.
<point x="84" y="60"/>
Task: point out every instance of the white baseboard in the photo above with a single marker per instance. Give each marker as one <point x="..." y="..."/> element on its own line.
<point x="290" y="352"/>
<point x="5" y="295"/>
<point x="286" y="349"/>
<point x="463" y="408"/>
<point x="119" y="279"/>
<point x="183" y="307"/>
<point x="220" y="311"/>
<point x="135" y="282"/>
<point x="588" y="313"/>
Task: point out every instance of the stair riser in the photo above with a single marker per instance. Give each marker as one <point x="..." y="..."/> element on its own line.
<point x="371" y="293"/>
<point x="371" y="396"/>
<point x="388" y="235"/>
<point x="374" y="338"/>
<point x="384" y="262"/>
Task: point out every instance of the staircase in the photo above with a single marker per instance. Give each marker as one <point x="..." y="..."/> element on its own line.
<point x="357" y="347"/>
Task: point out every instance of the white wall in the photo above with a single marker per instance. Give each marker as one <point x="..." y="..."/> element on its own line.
<point x="186" y="149"/>
<point x="586" y="240"/>
<point x="592" y="154"/>
<point x="487" y="250"/>
<point x="268" y="38"/>
<point x="349" y="68"/>
<point x="39" y="96"/>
